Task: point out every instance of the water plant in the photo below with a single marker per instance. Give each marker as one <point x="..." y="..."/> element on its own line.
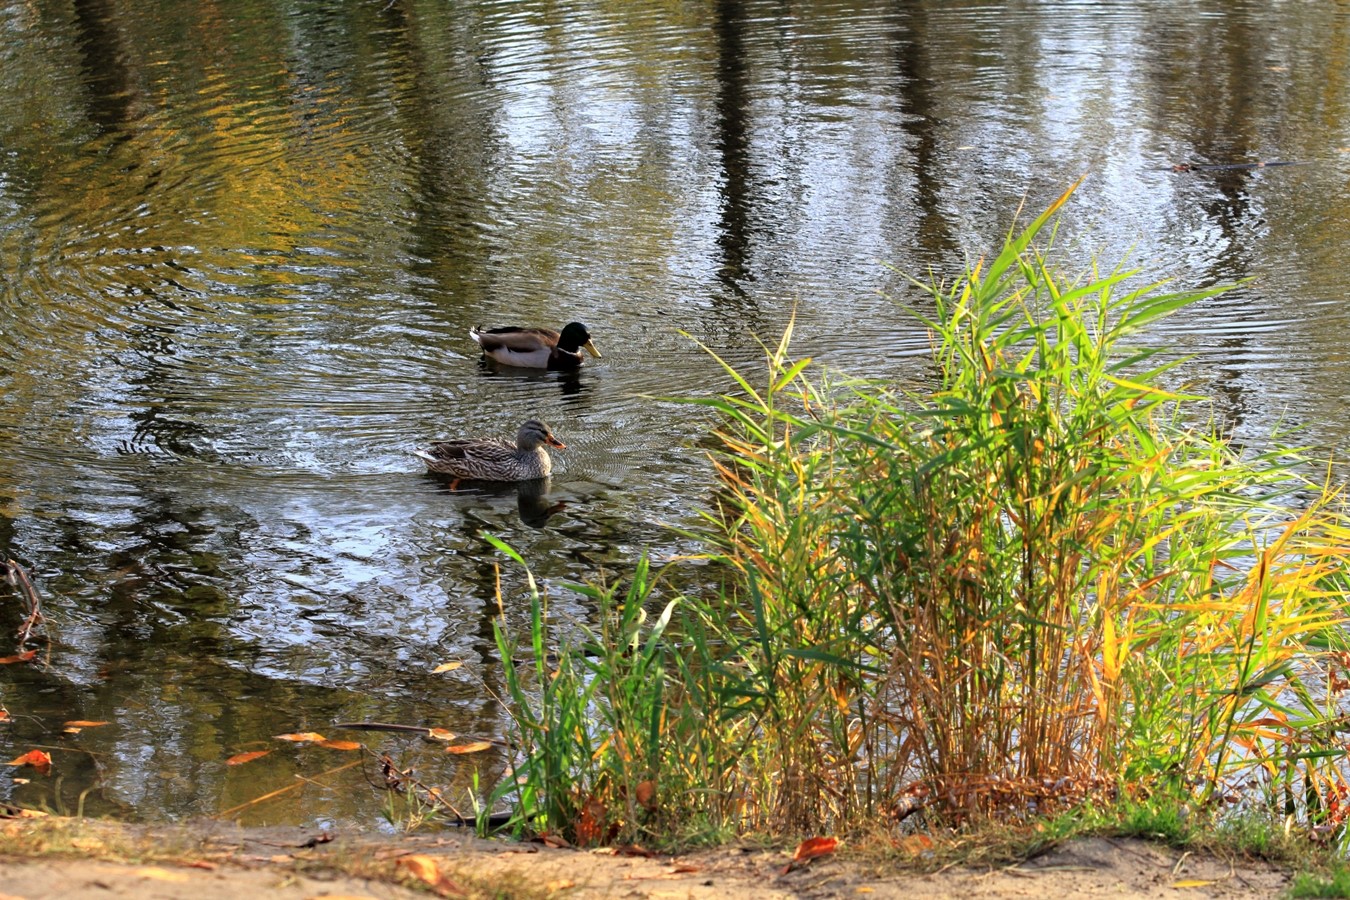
<point x="1046" y="576"/>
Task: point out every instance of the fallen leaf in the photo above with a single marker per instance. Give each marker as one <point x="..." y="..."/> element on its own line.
<point x="158" y="874"/>
<point x="440" y="734"/>
<point x="549" y="839"/>
<point x="447" y="667"/>
<point x="864" y="889"/>
<point x="25" y="656"/>
<point x="814" y="847"/>
<point x="421" y="867"/>
<point x="83" y="723"/>
<point x="425" y="870"/>
<point x="1191" y="883"/>
<point x="240" y="758"/>
<point x="22" y="813"/>
<point x="340" y="745"/>
<point x="38" y="759"/>
<point x="19" y="780"/>
<point x="559" y="884"/>
<point x="590" y="825"/>
<point x="4" y="715"/>
<point x="915" y="843"/>
<point x="203" y="864"/>
<point x="302" y="737"/>
<point x="71" y="730"/>
<point x="634" y="850"/>
<point x="684" y="869"/>
<point x="474" y="747"/>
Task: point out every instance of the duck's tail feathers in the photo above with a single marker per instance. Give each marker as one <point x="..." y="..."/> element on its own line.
<point x="476" y="332"/>
<point x="424" y="455"/>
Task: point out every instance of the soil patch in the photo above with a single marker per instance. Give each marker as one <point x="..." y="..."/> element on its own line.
<point x="62" y="858"/>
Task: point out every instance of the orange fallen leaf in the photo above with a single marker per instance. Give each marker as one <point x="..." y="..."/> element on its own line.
<point x="340" y="745"/>
<point x="38" y="759"/>
<point x="915" y="843"/>
<point x="71" y="730"/>
<point x="25" y="656"/>
<point x="559" y="884"/>
<point x="4" y="715"/>
<point x="425" y="870"/>
<point x="302" y="737"/>
<point x="814" y="847"/>
<point x="240" y="758"/>
<point x="474" y="747"/>
<point x="447" y="667"/>
<point x="203" y="864"/>
<point x="440" y="734"/>
<point x="23" y="813"/>
<point x="1191" y="883"/>
<point x="83" y="723"/>
<point x="590" y="825"/>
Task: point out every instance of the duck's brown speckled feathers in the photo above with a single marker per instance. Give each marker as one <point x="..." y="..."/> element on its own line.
<point x="493" y="459"/>
<point x="536" y="348"/>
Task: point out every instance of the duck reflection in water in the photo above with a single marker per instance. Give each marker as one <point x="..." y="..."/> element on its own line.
<point x="570" y="383"/>
<point x="532" y="497"/>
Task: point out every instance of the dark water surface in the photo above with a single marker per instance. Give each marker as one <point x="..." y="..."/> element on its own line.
<point x="241" y="246"/>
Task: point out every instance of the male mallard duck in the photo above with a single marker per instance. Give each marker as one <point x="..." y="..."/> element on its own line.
<point x="536" y="348"/>
<point x="494" y="459"/>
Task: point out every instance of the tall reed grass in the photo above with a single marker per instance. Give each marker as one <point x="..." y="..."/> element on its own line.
<point x="1047" y="577"/>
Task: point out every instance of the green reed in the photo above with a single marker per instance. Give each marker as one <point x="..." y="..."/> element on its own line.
<point x="1035" y="583"/>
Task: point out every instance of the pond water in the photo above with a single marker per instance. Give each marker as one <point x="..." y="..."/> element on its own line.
<point x="242" y="245"/>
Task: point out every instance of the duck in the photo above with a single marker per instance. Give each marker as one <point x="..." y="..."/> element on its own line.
<point x="536" y="348"/>
<point x="494" y="459"/>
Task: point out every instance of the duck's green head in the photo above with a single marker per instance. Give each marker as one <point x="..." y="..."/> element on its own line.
<point x="575" y="336"/>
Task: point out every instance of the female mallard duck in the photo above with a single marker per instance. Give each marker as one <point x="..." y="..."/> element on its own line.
<point x="536" y="348"/>
<point x="495" y="460"/>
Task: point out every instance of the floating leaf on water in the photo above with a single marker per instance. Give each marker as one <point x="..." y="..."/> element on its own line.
<point x="240" y="758"/>
<point x="447" y="667"/>
<point x="340" y="745"/>
<point x="440" y="734"/>
<point x="83" y="723"/>
<point x="38" y="759"/>
<point x="25" y="656"/>
<point x="302" y="737"/>
<point x="473" y="747"/>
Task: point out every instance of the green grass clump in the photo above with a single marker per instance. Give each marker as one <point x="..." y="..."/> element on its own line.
<point x="1036" y="584"/>
<point x="1334" y="883"/>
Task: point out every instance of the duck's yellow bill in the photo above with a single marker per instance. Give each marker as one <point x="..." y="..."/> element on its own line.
<point x="590" y="348"/>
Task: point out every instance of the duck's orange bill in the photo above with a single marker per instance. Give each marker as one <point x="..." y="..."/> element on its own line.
<point x="554" y="442"/>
